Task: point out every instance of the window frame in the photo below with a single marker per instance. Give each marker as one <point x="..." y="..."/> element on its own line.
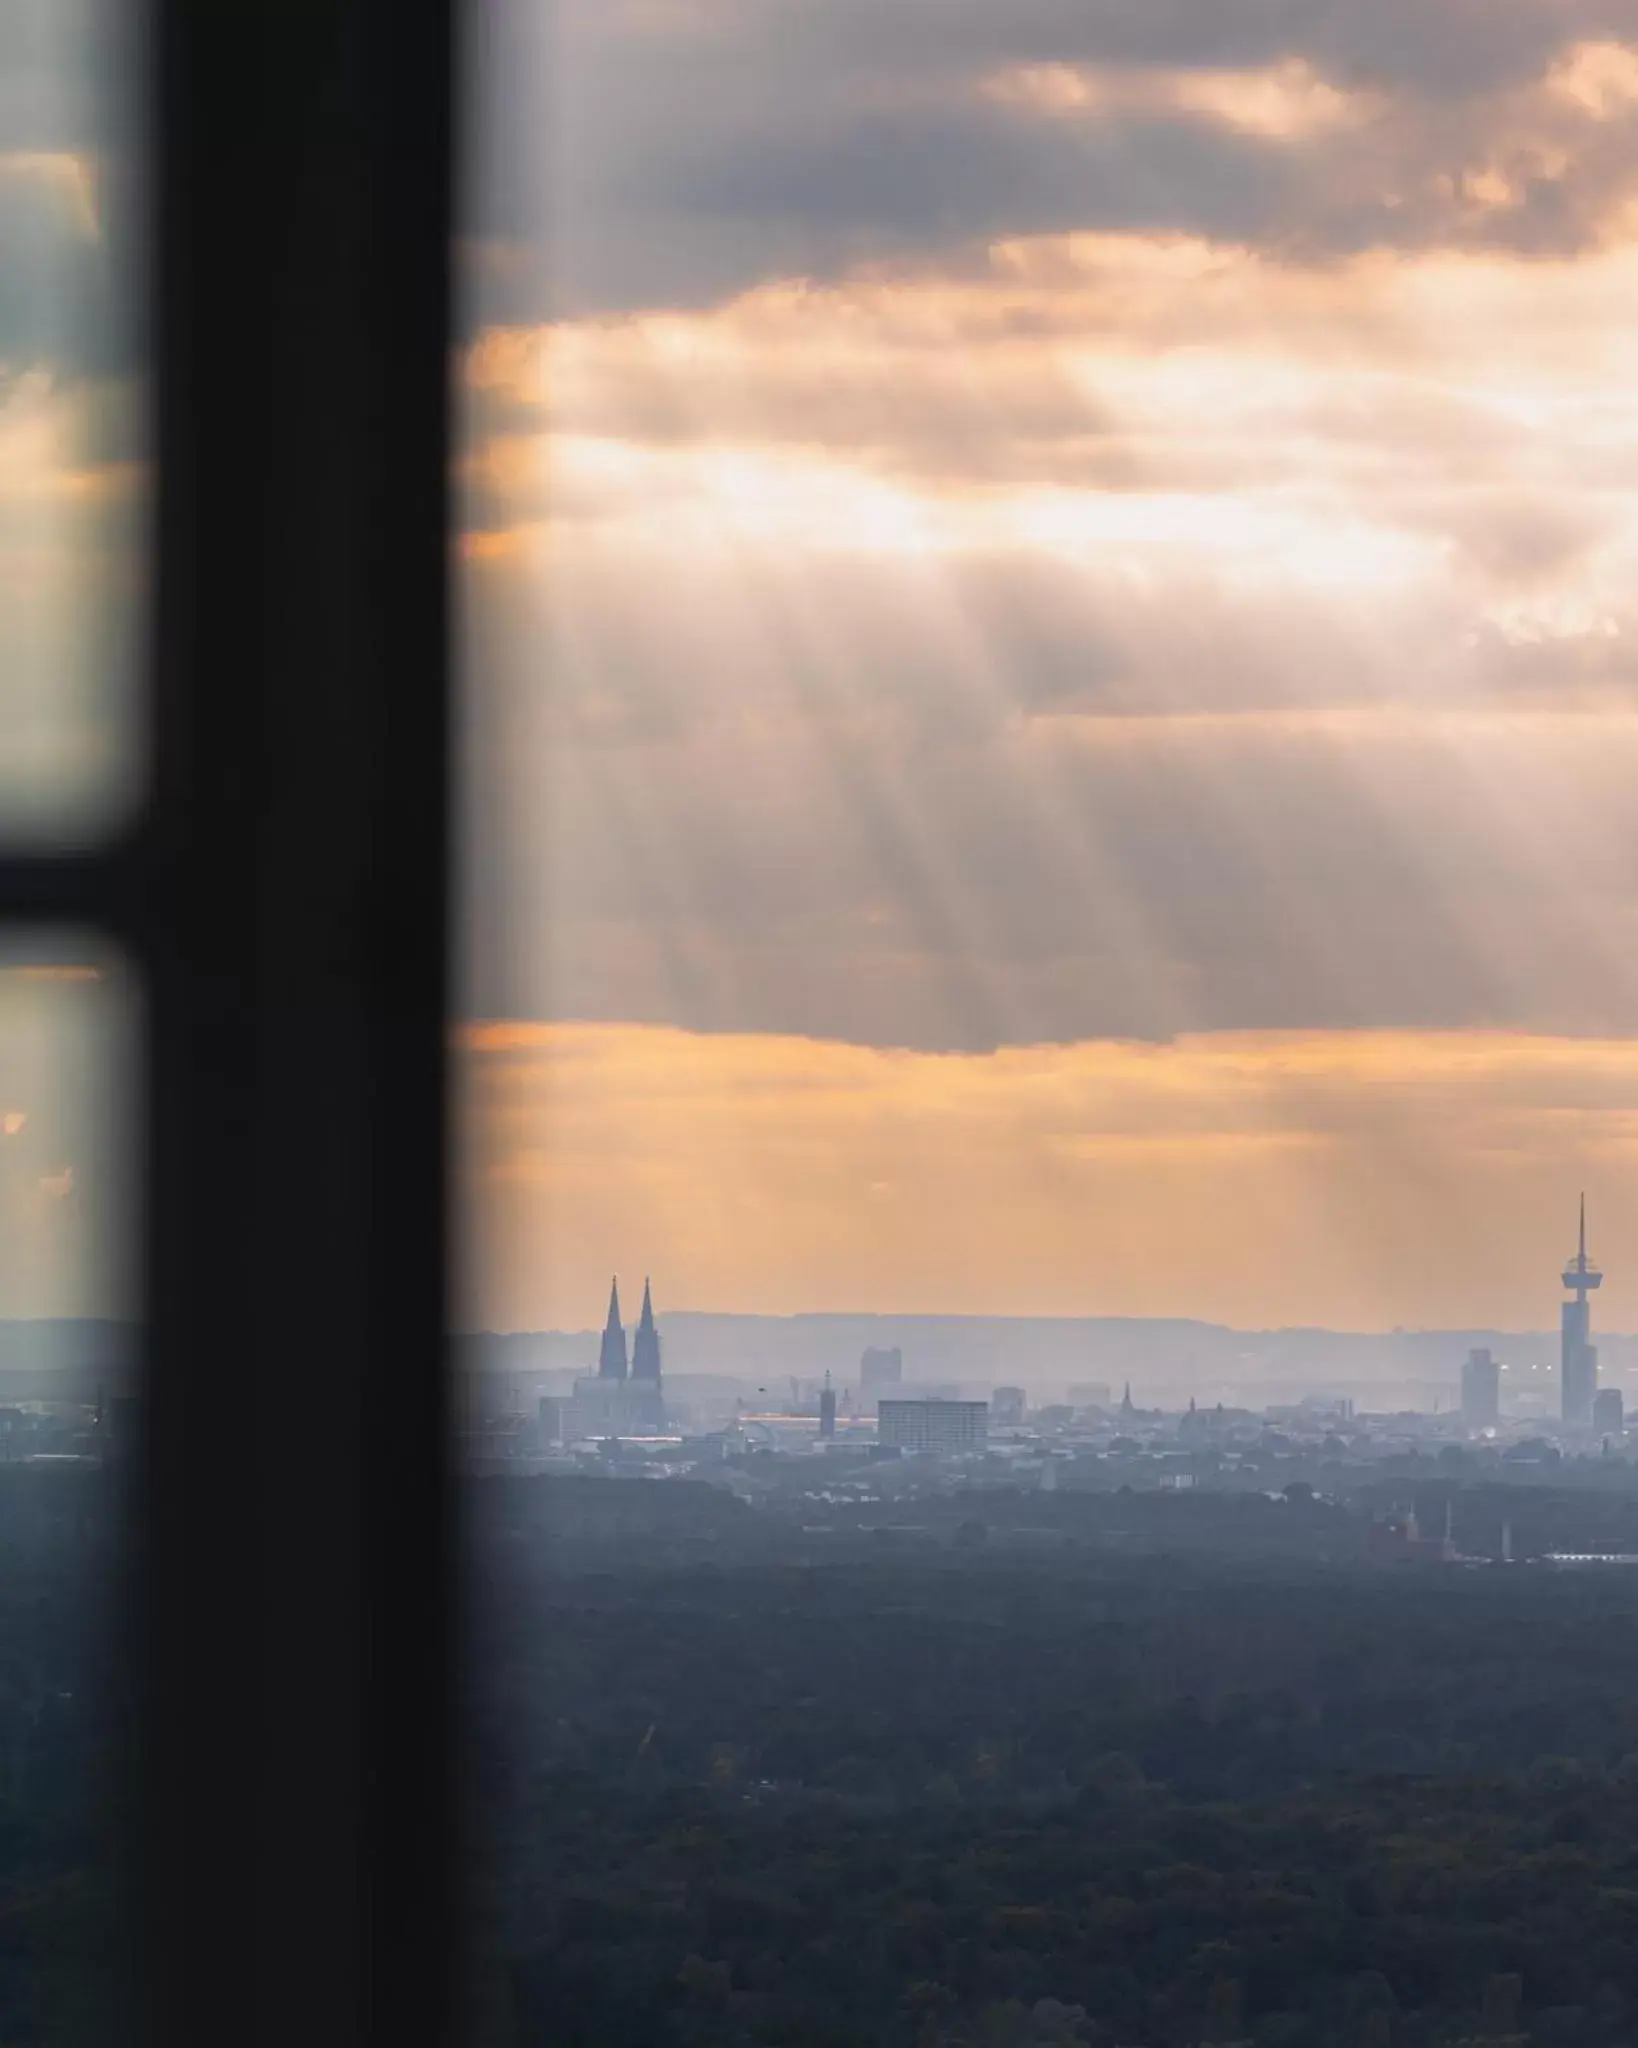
<point x="280" y="894"/>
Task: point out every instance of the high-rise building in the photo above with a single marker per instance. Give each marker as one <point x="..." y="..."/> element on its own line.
<point x="1007" y="1406"/>
<point x="948" y="1427"/>
<point x="1609" y="1411"/>
<point x="1578" y="1356"/>
<point x="880" y="1368"/>
<point x="1481" y="1390"/>
<point x="827" y="1410"/>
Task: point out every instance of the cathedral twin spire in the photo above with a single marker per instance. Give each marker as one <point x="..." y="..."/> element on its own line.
<point x="645" y="1350"/>
<point x="611" y="1359"/>
<point x="645" y="1346"/>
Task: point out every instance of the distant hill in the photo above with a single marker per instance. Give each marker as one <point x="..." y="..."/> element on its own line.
<point x="67" y="1358"/>
<point x="1161" y="1357"/>
<point x="70" y="1358"/>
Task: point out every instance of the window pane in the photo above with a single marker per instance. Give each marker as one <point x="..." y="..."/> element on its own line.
<point x="1050" y="716"/>
<point x="68" y="1394"/>
<point x="72" y="425"/>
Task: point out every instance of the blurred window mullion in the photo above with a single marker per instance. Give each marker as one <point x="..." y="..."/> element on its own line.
<point x="281" y="894"/>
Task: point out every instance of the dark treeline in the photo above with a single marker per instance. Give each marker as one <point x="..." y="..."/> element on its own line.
<point x="576" y="1518"/>
<point x="741" y="1782"/>
<point x="1137" y="1771"/>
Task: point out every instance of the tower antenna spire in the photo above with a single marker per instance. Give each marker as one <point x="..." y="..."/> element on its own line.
<point x="1578" y="1356"/>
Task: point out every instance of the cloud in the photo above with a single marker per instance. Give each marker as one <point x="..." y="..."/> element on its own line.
<point x="1129" y="636"/>
<point x="688" y="152"/>
<point x="908" y="830"/>
<point x="1255" y="1178"/>
<point x="1087" y="393"/>
<point x="1136" y="639"/>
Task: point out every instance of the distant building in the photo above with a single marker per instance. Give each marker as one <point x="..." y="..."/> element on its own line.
<point x="1608" y="1411"/>
<point x="1578" y="1356"/>
<point x="611" y="1357"/>
<point x="617" y="1401"/>
<point x="645" y="1386"/>
<point x="1481" y="1390"/>
<point x="827" y="1410"/>
<point x="645" y="1345"/>
<point x="550" y="1415"/>
<point x="948" y="1427"/>
<point x="1007" y="1405"/>
<point x="880" y="1368"/>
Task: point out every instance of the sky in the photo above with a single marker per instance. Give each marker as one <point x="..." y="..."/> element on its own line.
<point x="1049" y="674"/>
<point x="1052" y="667"/>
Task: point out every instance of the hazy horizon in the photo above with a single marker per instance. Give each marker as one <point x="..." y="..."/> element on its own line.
<point x="1545" y="1334"/>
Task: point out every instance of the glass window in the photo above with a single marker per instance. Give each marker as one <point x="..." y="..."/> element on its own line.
<point x="1048" y="892"/>
<point x="69" y="1402"/>
<point x="73" y="426"/>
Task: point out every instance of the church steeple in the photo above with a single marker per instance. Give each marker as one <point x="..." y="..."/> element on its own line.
<point x="645" y="1349"/>
<point x="611" y="1359"/>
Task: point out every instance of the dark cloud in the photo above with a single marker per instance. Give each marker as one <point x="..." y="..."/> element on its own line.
<point x="1449" y="49"/>
<point x="635" y="154"/>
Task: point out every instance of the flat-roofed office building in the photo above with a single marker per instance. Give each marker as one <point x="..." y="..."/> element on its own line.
<point x="1481" y="1390"/>
<point x="949" y="1427"/>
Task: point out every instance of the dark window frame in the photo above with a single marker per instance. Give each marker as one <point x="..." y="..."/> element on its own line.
<point x="281" y="896"/>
